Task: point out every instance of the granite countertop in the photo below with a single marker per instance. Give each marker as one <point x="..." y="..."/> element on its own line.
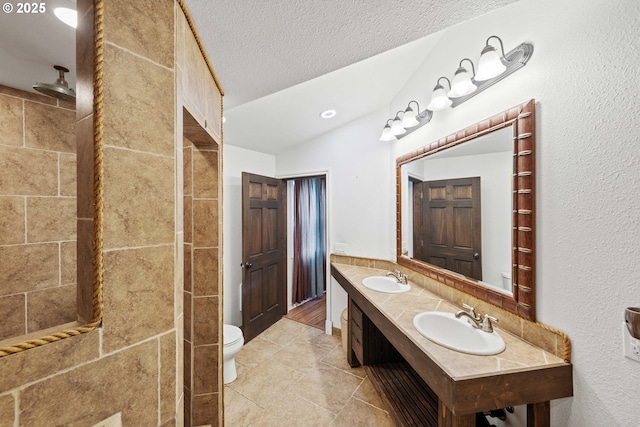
<point x="401" y="308"/>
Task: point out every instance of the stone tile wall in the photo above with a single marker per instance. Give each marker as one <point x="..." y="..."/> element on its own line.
<point x="37" y="212"/>
<point x="199" y="124"/>
<point x="201" y="292"/>
<point x="135" y="364"/>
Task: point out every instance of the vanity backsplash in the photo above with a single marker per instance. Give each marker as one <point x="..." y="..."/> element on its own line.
<point x="552" y="340"/>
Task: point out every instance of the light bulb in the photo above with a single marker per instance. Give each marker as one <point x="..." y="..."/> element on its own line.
<point x="396" y="127"/>
<point x="461" y="84"/>
<point x="490" y="64"/>
<point x="439" y="99"/>
<point x="409" y="118"/>
<point x="386" y="134"/>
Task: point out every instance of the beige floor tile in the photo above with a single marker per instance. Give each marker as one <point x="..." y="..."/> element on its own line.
<point x="292" y="410"/>
<point x="327" y="386"/>
<point x="285" y="331"/>
<point x="264" y="382"/>
<point x="357" y="413"/>
<point x="328" y="341"/>
<point x="255" y="351"/>
<point x="238" y="410"/>
<point x="367" y="393"/>
<point x="301" y="355"/>
<point x="294" y="375"/>
<point x="241" y="372"/>
<point x="338" y="359"/>
<point x="309" y="333"/>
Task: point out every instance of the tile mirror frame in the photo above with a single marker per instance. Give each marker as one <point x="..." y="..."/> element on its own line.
<point x="521" y="302"/>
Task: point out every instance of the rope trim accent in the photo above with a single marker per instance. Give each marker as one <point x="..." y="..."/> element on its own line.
<point x="98" y="186"/>
<point x="98" y="198"/>
<point x="566" y="351"/>
<point x="192" y="26"/>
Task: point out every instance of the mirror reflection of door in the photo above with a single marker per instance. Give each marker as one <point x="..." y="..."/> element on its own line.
<point x="264" y="283"/>
<point x="446" y="224"/>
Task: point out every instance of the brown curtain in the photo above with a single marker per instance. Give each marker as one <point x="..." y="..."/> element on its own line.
<point x="309" y="237"/>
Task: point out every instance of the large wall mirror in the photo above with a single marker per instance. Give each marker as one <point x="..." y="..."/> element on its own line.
<point x="466" y="210"/>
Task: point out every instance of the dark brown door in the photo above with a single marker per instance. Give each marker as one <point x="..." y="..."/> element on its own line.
<point x="450" y="234"/>
<point x="264" y="254"/>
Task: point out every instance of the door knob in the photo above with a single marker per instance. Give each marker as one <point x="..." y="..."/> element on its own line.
<point x="248" y="265"/>
<point x="476" y="255"/>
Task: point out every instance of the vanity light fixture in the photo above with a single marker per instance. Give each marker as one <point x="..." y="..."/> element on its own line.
<point x="396" y="125"/>
<point x="409" y="119"/>
<point x="491" y="69"/>
<point x="490" y="64"/>
<point x="410" y="122"/>
<point x="327" y="114"/>
<point x="387" y="135"/>
<point x="439" y="98"/>
<point x="415" y="120"/>
<point x="462" y="84"/>
<point x="512" y="61"/>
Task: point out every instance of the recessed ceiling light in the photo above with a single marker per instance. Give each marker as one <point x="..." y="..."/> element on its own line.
<point x="327" y="114"/>
<point x="68" y="16"/>
<point x="224" y="119"/>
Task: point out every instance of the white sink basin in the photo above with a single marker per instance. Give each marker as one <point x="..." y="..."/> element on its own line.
<point x="385" y="284"/>
<point x="457" y="334"/>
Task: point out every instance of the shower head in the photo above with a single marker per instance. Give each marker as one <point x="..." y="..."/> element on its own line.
<point x="60" y="89"/>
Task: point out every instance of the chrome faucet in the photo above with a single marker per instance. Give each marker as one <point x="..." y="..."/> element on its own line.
<point x="400" y="277"/>
<point x="476" y="320"/>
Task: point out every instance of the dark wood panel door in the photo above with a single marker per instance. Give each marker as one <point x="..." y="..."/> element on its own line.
<point x="449" y="231"/>
<point x="264" y="248"/>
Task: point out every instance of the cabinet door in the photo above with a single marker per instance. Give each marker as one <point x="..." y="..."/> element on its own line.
<point x="355" y="333"/>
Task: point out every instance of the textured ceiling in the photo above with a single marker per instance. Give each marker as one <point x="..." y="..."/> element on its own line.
<point x="260" y="47"/>
<point x="283" y="62"/>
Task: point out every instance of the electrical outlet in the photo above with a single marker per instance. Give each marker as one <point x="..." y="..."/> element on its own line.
<point x="630" y="345"/>
<point x="340" y="248"/>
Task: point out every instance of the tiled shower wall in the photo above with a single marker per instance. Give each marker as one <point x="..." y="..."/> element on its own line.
<point x="133" y="364"/>
<point x="199" y="118"/>
<point x="37" y="212"/>
<point x="130" y="364"/>
<point x="201" y="290"/>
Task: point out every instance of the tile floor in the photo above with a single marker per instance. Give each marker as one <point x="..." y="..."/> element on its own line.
<point x="295" y="375"/>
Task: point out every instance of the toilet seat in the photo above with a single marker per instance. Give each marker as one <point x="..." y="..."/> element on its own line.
<point x="232" y="334"/>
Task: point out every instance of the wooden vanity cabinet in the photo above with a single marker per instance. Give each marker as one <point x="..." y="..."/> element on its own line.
<point x="355" y="355"/>
<point x="368" y="345"/>
<point x="420" y="393"/>
<point x="410" y="400"/>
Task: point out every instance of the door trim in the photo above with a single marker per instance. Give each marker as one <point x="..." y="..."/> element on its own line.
<point x="328" y="324"/>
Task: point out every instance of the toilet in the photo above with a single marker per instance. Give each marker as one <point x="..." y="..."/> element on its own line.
<point x="233" y="341"/>
<point x="506" y="281"/>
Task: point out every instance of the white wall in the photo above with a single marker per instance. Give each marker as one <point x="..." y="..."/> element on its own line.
<point x="236" y="161"/>
<point x="584" y="77"/>
<point x="357" y="215"/>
